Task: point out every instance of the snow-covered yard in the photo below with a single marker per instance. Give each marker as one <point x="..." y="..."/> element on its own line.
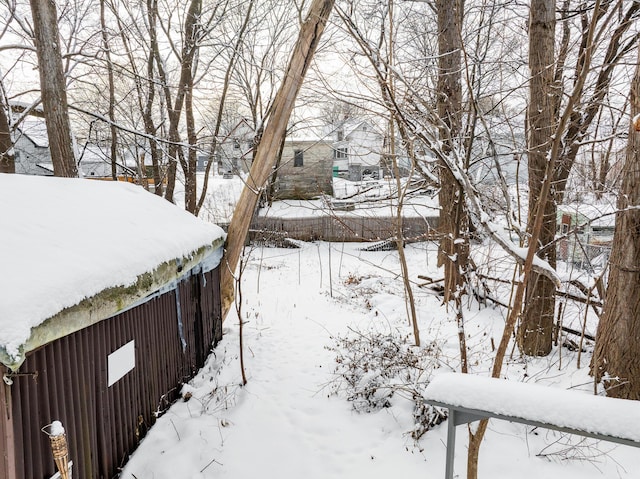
<point x="294" y="419"/>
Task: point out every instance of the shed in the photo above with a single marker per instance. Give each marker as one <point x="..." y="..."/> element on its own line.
<point x="110" y="301"/>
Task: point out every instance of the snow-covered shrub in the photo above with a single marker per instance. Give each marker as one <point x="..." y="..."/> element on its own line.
<point x="372" y="368"/>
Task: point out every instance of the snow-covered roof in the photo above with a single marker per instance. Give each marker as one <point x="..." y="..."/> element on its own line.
<point x="67" y="241"/>
<point x="35" y="129"/>
<point x="348" y="127"/>
<point x="597" y="214"/>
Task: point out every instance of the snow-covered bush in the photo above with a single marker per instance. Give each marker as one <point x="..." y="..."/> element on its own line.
<point x="373" y="368"/>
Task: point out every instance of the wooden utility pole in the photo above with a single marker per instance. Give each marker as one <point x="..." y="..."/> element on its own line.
<point x="266" y="154"/>
<point x="53" y="87"/>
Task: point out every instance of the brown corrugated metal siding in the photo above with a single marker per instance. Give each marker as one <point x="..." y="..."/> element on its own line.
<point x="66" y="380"/>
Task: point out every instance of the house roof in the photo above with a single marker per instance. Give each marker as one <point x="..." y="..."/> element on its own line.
<point x="95" y="160"/>
<point x="75" y="252"/>
<point x="348" y="127"/>
<point x="36" y="130"/>
<point x="596" y="214"/>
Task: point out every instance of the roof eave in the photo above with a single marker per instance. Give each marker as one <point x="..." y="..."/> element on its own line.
<point x="115" y="300"/>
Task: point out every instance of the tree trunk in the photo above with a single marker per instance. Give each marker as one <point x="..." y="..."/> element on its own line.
<point x="53" y="87"/>
<point x="112" y="93"/>
<point x="566" y="134"/>
<point x="308" y="39"/>
<point x="615" y="358"/>
<point x="7" y="159"/>
<point x="534" y="334"/>
<point x="147" y="115"/>
<point x="453" y="224"/>
<point x="184" y="97"/>
<point x="221" y="104"/>
<point x="190" y="191"/>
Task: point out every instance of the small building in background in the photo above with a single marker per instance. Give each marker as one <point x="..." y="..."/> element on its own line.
<point x="585" y="234"/>
<point x="357" y="148"/>
<point x="32" y="155"/>
<point x="94" y="161"/>
<point x="110" y="302"/>
<point x="234" y="153"/>
<point x="305" y="168"/>
<point x="31" y="148"/>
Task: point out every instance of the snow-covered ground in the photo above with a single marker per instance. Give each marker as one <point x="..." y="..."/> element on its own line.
<point x="296" y="417"/>
<point x="367" y="198"/>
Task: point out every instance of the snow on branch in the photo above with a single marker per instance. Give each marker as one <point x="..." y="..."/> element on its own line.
<point x="424" y="124"/>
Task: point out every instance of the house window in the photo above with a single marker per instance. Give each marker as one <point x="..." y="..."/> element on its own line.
<point x="298" y="158"/>
<point x="340" y="153"/>
<point x="340" y="134"/>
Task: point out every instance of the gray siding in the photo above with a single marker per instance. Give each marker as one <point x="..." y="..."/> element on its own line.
<point x="28" y="156"/>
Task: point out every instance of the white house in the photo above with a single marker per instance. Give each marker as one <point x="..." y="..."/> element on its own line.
<point x="357" y="146"/>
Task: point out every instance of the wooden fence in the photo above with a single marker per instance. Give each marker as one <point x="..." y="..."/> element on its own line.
<point x="343" y="228"/>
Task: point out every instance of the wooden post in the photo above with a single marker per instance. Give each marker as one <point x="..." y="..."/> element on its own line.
<point x="7" y="436"/>
<point x="266" y="154"/>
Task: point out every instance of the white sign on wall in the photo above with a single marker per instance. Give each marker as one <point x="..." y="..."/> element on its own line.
<point x="120" y="362"/>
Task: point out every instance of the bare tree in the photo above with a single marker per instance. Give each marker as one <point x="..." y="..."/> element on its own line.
<point x="53" y="87"/>
<point x="146" y="105"/>
<point x="615" y="359"/>
<point x="453" y="223"/>
<point x="7" y="160"/>
<point x="223" y="99"/>
<point x="112" y="92"/>
<point x="556" y="128"/>
<point x="191" y="40"/>
<point x="535" y="330"/>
